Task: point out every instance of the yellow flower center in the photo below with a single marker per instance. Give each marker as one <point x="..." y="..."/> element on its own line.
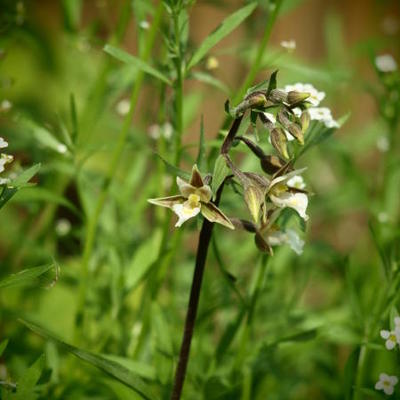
<point x="193" y="201"/>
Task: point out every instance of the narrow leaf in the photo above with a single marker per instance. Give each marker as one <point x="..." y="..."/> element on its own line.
<point x="175" y="171"/>
<point x="25" y="277"/>
<point x="3" y="346"/>
<point x="226" y="27"/>
<point x="111" y="368"/>
<point x="127" y="58"/>
<point x="202" y="146"/>
<point x="221" y="171"/>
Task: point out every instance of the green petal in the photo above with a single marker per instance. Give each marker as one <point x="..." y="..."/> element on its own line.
<point x="211" y="212"/>
<point x="167" y="201"/>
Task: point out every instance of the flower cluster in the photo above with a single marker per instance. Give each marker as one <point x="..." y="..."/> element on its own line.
<point x="286" y="115"/>
<point x="4" y="159"/>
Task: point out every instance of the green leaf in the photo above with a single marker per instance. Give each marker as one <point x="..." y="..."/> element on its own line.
<point x="175" y="171"/>
<point x="226" y="27"/>
<point x="72" y="13"/>
<point x="272" y="82"/>
<point x="143" y="259"/>
<point x="27" y="383"/>
<point x="202" y="146"/>
<point x="3" y="346"/>
<point x="127" y="58"/>
<point x="210" y="80"/>
<point x="350" y="372"/>
<point x="26" y="176"/>
<point x="26" y="276"/>
<point x="221" y="171"/>
<point x="111" y="368"/>
<point x="298" y="337"/>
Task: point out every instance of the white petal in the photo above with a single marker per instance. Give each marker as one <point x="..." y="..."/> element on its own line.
<point x="271" y="117"/>
<point x="297" y="182"/>
<point x="383" y="377"/>
<point x="388" y="389"/>
<point x="393" y="380"/>
<point x="3" y="143"/>
<point x="276" y="238"/>
<point x="297" y="201"/>
<point x="386" y="63"/>
<point x="184" y="212"/>
<point x="379" y="385"/>
<point x="384" y="334"/>
<point x="294" y="241"/>
<point x="390" y="344"/>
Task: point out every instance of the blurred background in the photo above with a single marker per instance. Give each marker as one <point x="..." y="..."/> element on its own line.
<point x="64" y="103"/>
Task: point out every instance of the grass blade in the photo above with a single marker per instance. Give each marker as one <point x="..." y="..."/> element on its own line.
<point x="224" y="29"/>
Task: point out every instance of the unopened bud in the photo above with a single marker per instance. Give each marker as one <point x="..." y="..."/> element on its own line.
<point x="297" y="97"/>
<point x="253" y="100"/>
<point x="296" y="132"/>
<point x="279" y="141"/>
<point x="305" y="120"/>
<point x="283" y="117"/>
<point x="277" y="96"/>
<point x="253" y="197"/>
<point x="271" y="164"/>
<point x="262" y="244"/>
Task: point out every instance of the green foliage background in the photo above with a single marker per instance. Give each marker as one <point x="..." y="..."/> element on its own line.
<point x="100" y="314"/>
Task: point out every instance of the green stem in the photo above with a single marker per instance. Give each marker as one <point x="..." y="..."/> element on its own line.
<point x="116" y="156"/>
<point x="256" y="64"/>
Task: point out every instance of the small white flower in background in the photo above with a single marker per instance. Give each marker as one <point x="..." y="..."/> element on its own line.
<point x="212" y="63"/>
<point x="324" y="115"/>
<point x="289" y="44"/>
<point x="5" y="105"/>
<point x="62" y="148"/>
<point x="392" y="338"/>
<point x="290" y="237"/>
<point x="5" y="159"/>
<point x="156" y="131"/>
<point x="386" y="383"/>
<point x="383" y="217"/>
<point x="315" y="96"/>
<point x="144" y="24"/>
<point x="382" y="143"/>
<point x="123" y="107"/>
<point x="3" y="143"/>
<point x="386" y="63"/>
<point x="63" y="227"/>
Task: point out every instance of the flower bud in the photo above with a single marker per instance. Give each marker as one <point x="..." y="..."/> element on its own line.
<point x="305" y="120"/>
<point x="271" y="164"/>
<point x="297" y="97"/>
<point x="296" y="132"/>
<point x="283" y="117"/>
<point x="277" y="96"/>
<point x="253" y="197"/>
<point x="262" y="244"/>
<point x="279" y="141"/>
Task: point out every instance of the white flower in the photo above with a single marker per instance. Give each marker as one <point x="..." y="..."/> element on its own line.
<point x="297" y="201"/>
<point x="290" y="237"/>
<point x="5" y="159"/>
<point x="386" y="383"/>
<point x="63" y="227"/>
<point x="3" y="143"/>
<point x="289" y="44"/>
<point x="195" y="197"/>
<point x="392" y="338"/>
<point x="5" y="105"/>
<point x="144" y="24"/>
<point x="382" y="143"/>
<point x="296" y="182"/>
<point x="315" y="96"/>
<point x="123" y="107"/>
<point x="166" y="130"/>
<point x="386" y="63"/>
<point x="324" y="115"/>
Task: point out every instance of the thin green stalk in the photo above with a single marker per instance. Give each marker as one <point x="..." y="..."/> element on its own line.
<point x="256" y="64"/>
<point x="116" y="156"/>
